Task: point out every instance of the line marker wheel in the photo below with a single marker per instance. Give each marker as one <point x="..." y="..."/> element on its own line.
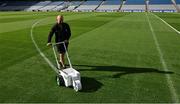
<point x="60" y="80"/>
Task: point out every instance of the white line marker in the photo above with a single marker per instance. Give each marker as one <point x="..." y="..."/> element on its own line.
<point x="166" y="23"/>
<point x="169" y="80"/>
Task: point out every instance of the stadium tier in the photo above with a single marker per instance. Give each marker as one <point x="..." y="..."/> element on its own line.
<point x="178" y="4"/>
<point x="51" y="6"/>
<point x="93" y="5"/>
<point x="160" y="2"/>
<point x="110" y="5"/>
<point x="134" y="6"/>
<point x="135" y="2"/>
<point x="61" y="6"/>
<point x="161" y="6"/>
<point x="88" y="6"/>
<point x="38" y="6"/>
<point x="73" y="5"/>
<point x="16" y="6"/>
<point x="177" y="1"/>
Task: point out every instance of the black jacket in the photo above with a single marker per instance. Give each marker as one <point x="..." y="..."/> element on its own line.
<point x="62" y="32"/>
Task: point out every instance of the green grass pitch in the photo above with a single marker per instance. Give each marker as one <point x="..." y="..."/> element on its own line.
<point x="122" y="57"/>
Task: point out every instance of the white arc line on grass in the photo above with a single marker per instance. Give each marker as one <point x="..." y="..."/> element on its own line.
<point x="39" y="50"/>
<point x="166" y="23"/>
<point x="169" y="81"/>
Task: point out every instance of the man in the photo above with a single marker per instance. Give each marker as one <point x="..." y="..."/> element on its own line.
<point x="62" y="34"/>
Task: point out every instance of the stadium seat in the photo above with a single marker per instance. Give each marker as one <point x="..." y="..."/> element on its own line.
<point x="88" y="6"/>
<point x="73" y="5"/>
<point x="110" y="5"/>
<point x="16" y="5"/>
<point x="134" y="6"/>
<point x="62" y="6"/>
<point x="178" y="4"/>
<point x="51" y="6"/>
<point x="38" y="5"/>
<point x="178" y="1"/>
<point x="161" y="6"/>
<point x="92" y="5"/>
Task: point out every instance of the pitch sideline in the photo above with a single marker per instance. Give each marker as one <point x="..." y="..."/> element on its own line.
<point x="166" y="23"/>
<point x="168" y="78"/>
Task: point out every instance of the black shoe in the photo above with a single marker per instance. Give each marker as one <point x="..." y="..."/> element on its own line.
<point x="64" y="67"/>
<point x="61" y="66"/>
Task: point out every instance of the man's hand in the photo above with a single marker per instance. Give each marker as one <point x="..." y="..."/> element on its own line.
<point x="49" y="44"/>
<point x="66" y="41"/>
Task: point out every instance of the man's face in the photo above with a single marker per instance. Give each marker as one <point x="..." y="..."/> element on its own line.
<point x="59" y="19"/>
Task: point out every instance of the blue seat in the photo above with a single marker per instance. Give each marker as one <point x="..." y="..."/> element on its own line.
<point x="21" y="3"/>
<point x="112" y="2"/>
<point x="135" y="2"/>
<point x="178" y="2"/>
<point x="160" y="2"/>
<point x="75" y="3"/>
<point x="92" y="3"/>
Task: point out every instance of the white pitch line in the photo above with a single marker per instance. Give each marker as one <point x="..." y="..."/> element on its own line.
<point x="169" y="80"/>
<point x="39" y="50"/>
<point x="166" y="23"/>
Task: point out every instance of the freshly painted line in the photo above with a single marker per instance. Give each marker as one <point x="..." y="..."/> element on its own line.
<point x="169" y="80"/>
<point x="39" y="50"/>
<point x="166" y="23"/>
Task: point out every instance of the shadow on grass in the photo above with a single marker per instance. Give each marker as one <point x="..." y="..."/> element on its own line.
<point x="90" y="84"/>
<point x="121" y="70"/>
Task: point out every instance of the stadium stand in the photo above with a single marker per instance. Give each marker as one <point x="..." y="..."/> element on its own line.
<point x="161" y="6"/>
<point x="1" y="3"/>
<point x="51" y="6"/>
<point x="62" y="6"/>
<point x="92" y="5"/>
<point x="178" y="1"/>
<point x="16" y="6"/>
<point x="73" y="5"/>
<point x="134" y="6"/>
<point x="89" y="6"/>
<point x="178" y="4"/>
<point x="38" y="6"/>
<point x="109" y="6"/>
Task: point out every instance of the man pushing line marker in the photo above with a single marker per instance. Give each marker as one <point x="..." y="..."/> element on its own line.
<point x="67" y="76"/>
<point x="62" y="34"/>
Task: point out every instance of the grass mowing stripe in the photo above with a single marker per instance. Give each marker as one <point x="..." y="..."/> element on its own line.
<point x="166" y="23"/>
<point x="129" y="38"/>
<point x="28" y="23"/>
<point x="16" y="25"/>
<point x="169" y="80"/>
<point x="17" y="18"/>
<point x="115" y="53"/>
<point x="94" y="29"/>
<point x="135" y="83"/>
<point x="39" y="50"/>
